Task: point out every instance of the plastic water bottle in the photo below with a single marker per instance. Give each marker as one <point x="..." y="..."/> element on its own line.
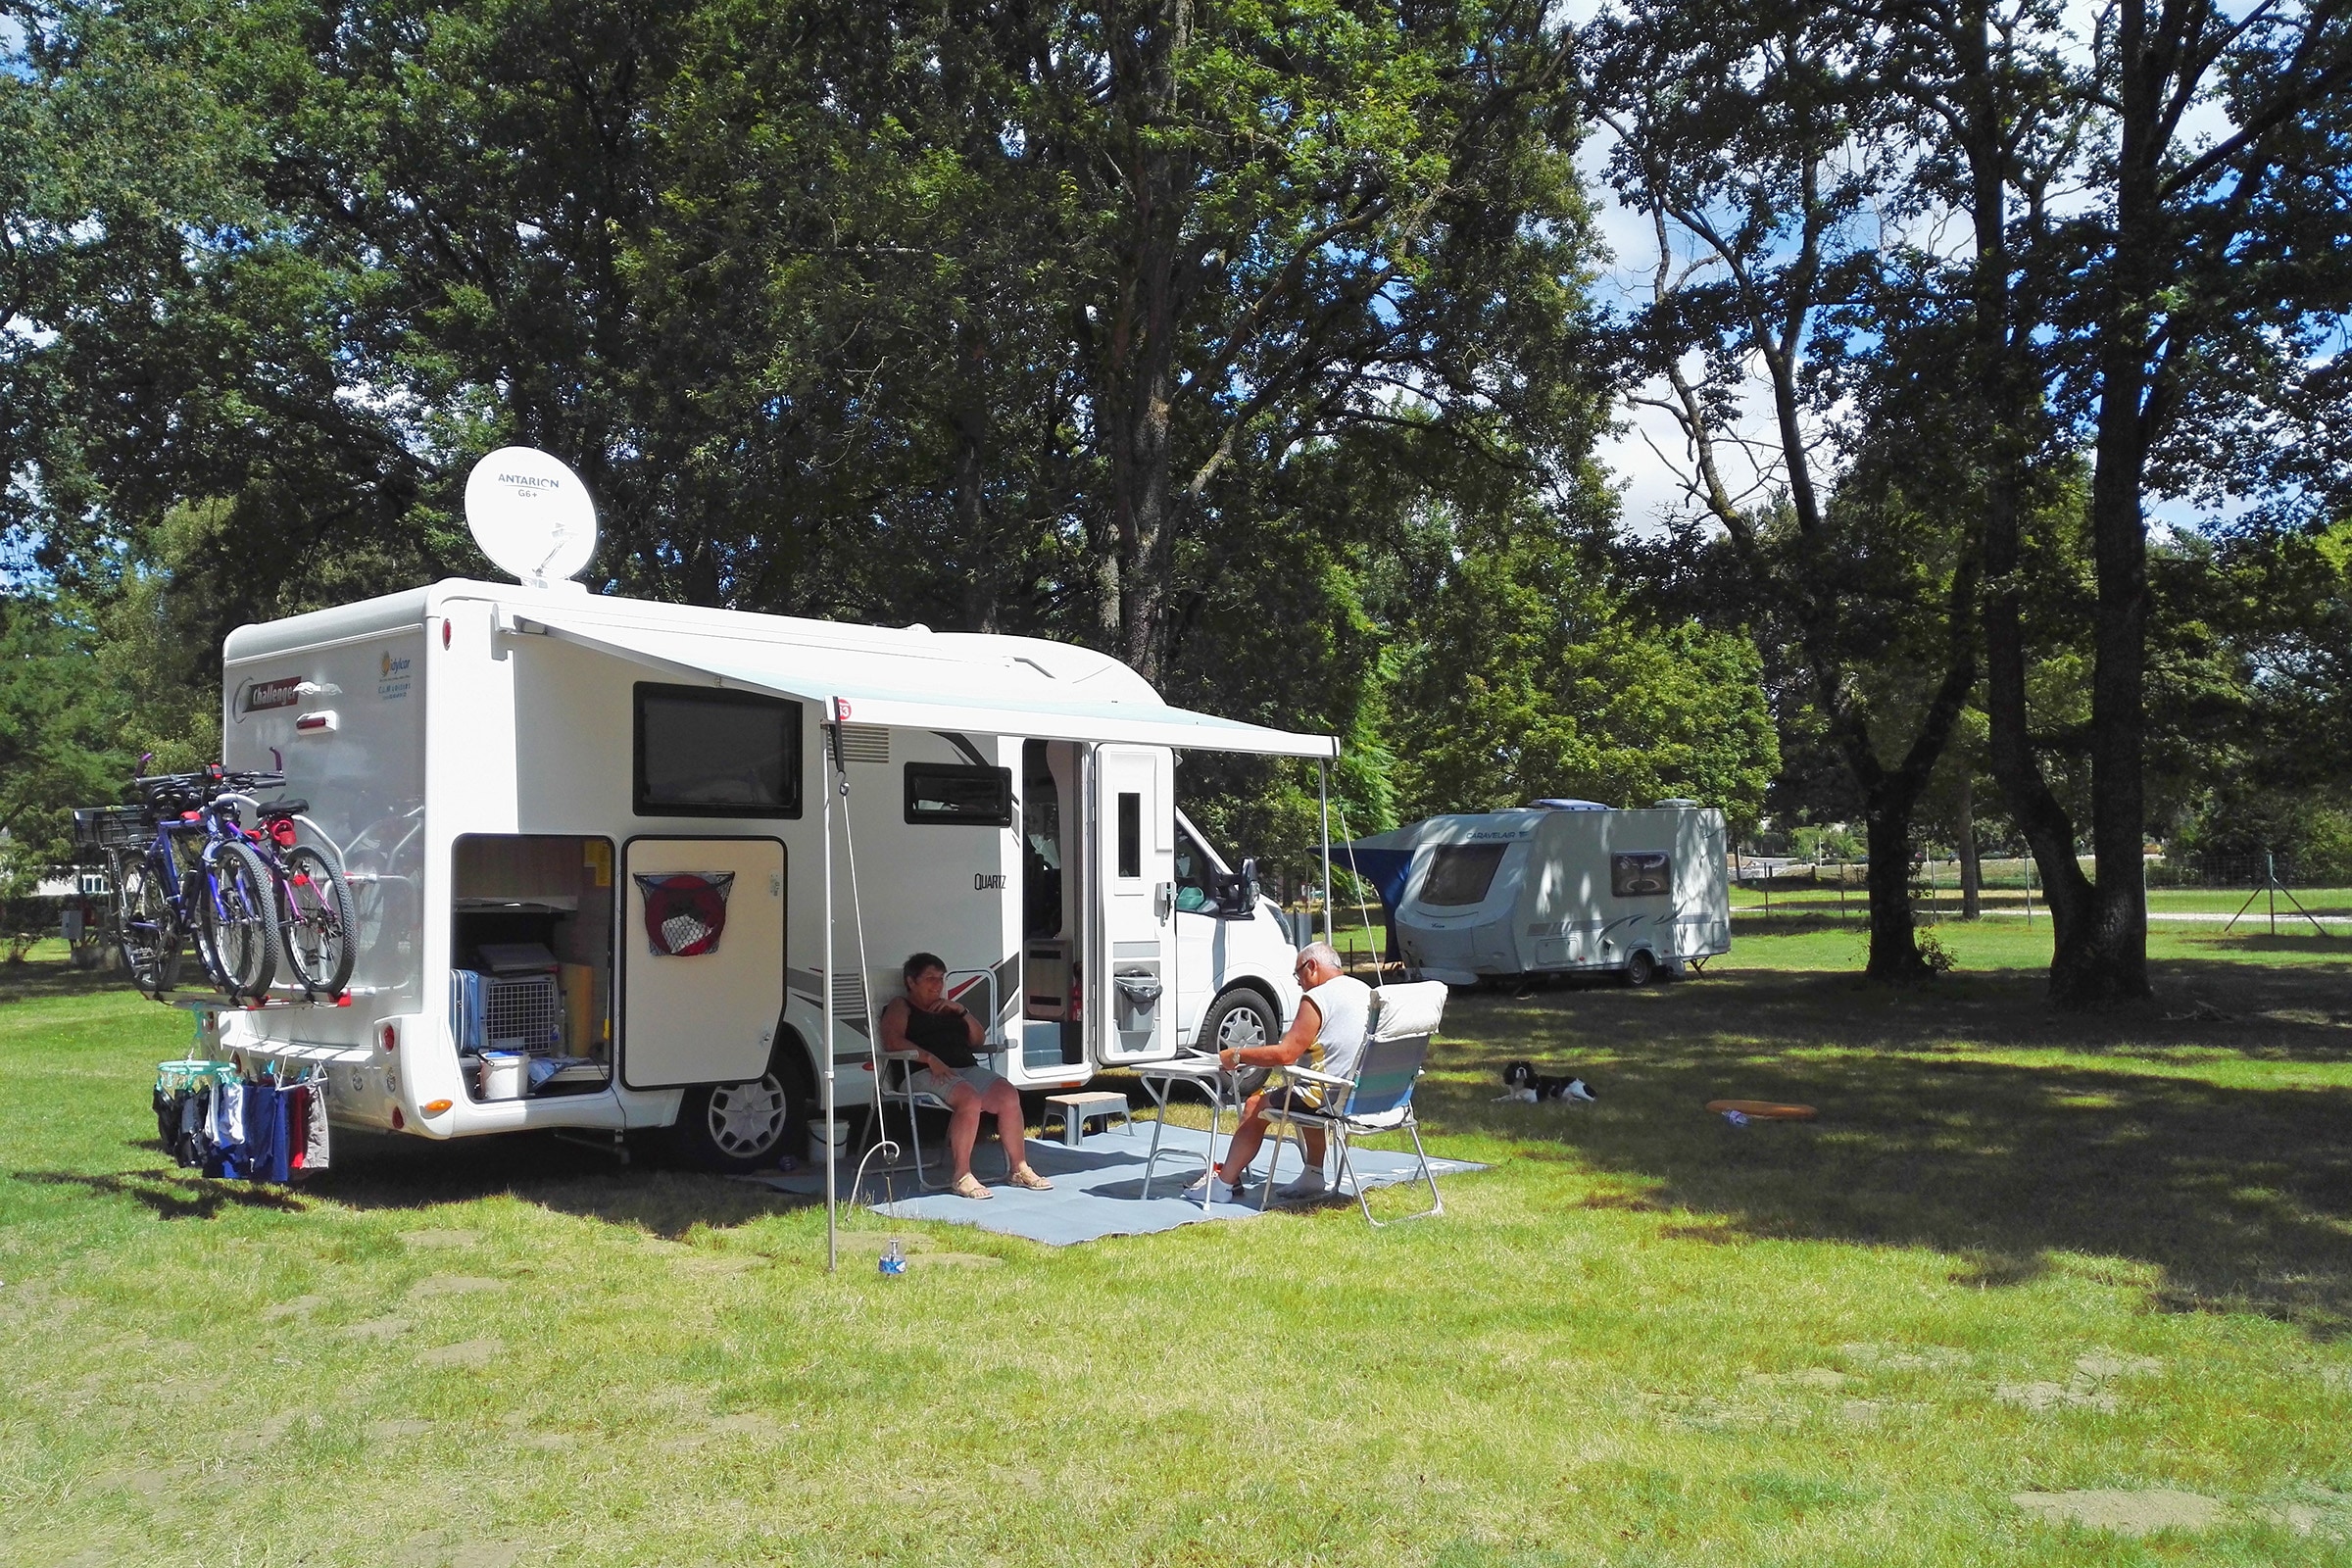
<point x="893" y="1261"/>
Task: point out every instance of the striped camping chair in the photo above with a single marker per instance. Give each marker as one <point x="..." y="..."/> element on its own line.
<point x="1378" y="1099"/>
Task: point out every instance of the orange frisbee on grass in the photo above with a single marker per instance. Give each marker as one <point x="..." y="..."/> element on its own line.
<point x="1763" y="1109"/>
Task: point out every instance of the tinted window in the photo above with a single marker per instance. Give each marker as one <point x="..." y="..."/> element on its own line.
<point x="1461" y="873"/>
<point x="709" y="753"/>
<point x="948" y="791"/>
<point x="1131" y="835"/>
<point x="1643" y="874"/>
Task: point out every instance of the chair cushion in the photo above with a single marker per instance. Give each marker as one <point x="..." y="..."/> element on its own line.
<point x="1410" y="1009"/>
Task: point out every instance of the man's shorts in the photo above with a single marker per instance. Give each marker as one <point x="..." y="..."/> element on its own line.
<point x="1292" y="1097"/>
<point x="927" y="1082"/>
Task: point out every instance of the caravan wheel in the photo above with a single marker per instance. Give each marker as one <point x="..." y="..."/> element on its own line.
<point x="1640" y="968"/>
<point x="1239" y="1020"/>
<point x="738" y="1127"/>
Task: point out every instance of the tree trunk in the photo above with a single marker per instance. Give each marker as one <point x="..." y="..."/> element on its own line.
<point x="1137" y="392"/>
<point x="1972" y="881"/>
<point x="2005" y="386"/>
<point x="2116" y="959"/>
<point x="1893" y="948"/>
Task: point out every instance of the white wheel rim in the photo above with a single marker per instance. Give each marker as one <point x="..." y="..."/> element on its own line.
<point x="1241" y="1029"/>
<point x="747" y="1118"/>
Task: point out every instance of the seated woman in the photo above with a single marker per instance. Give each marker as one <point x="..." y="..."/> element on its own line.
<point x="943" y="1034"/>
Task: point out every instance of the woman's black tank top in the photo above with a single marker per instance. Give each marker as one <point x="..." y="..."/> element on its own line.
<point x="943" y="1034"/>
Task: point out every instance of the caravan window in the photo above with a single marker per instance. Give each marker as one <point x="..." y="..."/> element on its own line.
<point x="702" y="752"/>
<point x="1460" y="873"/>
<point x="950" y="792"/>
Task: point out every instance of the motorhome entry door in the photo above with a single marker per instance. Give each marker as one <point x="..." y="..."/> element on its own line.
<point x="701" y="969"/>
<point x="1131" y="960"/>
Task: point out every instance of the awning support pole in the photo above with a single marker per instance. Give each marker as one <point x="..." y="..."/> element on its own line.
<point x="832" y="1154"/>
<point x="1323" y="794"/>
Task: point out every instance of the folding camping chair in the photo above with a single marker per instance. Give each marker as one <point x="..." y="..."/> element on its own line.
<point x="1378" y="1097"/>
<point x="894" y="1084"/>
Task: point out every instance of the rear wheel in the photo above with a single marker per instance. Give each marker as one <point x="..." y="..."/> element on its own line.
<point x="1640" y="968"/>
<point x="236" y="923"/>
<point x="318" y="922"/>
<point x="146" y="927"/>
<point x="734" y="1128"/>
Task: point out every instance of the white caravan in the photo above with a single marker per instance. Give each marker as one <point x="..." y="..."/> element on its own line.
<point x="1553" y="889"/>
<point x="592" y="843"/>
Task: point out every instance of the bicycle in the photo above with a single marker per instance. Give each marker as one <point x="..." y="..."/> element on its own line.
<point x="312" y="898"/>
<point x="184" y="867"/>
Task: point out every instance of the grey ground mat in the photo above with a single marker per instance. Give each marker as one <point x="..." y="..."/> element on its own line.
<point x="1098" y="1186"/>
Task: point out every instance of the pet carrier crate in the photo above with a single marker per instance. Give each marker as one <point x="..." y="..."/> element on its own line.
<point x="522" y="1013"/>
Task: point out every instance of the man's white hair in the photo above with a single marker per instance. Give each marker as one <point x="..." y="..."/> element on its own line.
<point x="1322" y="953"/>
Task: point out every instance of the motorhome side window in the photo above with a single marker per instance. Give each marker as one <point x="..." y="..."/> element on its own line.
<point x="701" y="751"/>
<point x="943" y="792"/>
<point x="1131" y="836"/>
<point x="1193" y="895"/>
<point x="1460" y="873"/>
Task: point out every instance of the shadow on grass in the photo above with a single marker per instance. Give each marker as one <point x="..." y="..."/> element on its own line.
<point x="39" y="979"/>
<point x="386" y="1171"/>
<point x="2231" y="1198"/>
<point x="171" y="1197"/>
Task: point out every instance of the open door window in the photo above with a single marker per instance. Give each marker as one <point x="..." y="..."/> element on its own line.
<point x="1130" y="976"/>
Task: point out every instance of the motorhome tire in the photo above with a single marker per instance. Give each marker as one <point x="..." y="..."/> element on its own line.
<point x="1239" y="1018"/>
<point x="733" y="1128"/>
<point x="1640" y="968"/>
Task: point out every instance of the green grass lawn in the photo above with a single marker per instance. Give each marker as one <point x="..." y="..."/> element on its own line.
<point x="2017" y="1255"/>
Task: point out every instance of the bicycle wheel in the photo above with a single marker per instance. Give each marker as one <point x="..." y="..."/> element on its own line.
<point x="146" y="926"/>
<point x="316" y="921"/>
<point x="237" y="922"/>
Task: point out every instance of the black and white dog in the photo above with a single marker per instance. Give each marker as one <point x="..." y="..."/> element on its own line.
<point x="1521" y="1082"/>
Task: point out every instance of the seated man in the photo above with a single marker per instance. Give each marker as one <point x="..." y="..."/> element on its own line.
<point x="943" y="1034"/>
<point x="1333" y="1017"/>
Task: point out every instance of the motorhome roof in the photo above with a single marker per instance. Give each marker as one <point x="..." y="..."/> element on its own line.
<point x="907" y="678"/>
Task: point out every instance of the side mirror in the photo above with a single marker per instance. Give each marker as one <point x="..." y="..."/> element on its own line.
<point x="1249" y="897"/>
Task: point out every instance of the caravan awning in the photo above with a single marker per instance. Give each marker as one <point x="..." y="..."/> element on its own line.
<point x="945" y="682"/>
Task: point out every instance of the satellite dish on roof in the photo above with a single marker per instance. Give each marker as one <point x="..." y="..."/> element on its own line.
<point x="530" y="515"/>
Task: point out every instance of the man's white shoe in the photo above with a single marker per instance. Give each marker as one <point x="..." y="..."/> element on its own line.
<point x="1233" y="1195"/>
<point x="1310" y="1184"/>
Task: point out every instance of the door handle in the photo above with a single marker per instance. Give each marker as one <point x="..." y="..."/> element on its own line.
<point x="1163" y="899"/>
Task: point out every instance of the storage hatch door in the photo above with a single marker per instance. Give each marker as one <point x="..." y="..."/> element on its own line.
<point x="701" y="940"/>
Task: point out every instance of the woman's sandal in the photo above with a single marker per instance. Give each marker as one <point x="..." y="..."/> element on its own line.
<point x="1023" y="1176"/>
<point x="968" y="1186"/>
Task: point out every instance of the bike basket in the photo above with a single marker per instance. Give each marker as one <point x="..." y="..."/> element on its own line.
<point x="685" y="912"/>
<point x="112" y="827"/>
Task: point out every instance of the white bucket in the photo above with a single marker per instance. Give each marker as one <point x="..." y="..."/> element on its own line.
<point x="828" y="1134"/>
<point x="501" y="1075"/>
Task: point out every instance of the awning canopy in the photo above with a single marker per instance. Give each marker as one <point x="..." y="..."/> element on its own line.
<point x="935" y="683"/>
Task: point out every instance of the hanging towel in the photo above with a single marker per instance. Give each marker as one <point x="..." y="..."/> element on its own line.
<point x="265" y="1133"/>
<point x="314" y="1146"/>
<point x="188" y="1147"/>
<point x="298" y="1125"/>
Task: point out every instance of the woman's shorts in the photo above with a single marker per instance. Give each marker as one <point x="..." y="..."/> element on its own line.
<point x="943" y="1085"/>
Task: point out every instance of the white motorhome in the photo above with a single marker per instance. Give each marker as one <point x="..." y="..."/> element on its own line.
<point x="1556" y="888"/>
<point x="603" y="835"/>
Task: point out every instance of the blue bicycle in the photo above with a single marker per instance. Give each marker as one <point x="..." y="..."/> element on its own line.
<point x="183" y="869"/>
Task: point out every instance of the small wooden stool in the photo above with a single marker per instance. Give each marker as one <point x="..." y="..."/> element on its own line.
<point x="1075" y="1110"/>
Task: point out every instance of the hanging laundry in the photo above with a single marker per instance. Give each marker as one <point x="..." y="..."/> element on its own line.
<point x="313" y="1148"/>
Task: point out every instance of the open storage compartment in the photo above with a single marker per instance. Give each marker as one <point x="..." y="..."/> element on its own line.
<point x="531" y="963"/>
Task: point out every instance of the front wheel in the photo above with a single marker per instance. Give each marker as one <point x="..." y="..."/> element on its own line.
<point x="146" y="926"/>
<point x="1236" y="1020"/>
<point x="318" y="923"/>
<point x="236" y="923"/>
<point x="1640" y="968"/>
<point x="734" y="1128"/>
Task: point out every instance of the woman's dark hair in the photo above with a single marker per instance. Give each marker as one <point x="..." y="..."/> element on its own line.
<point x="917" y="963"/>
